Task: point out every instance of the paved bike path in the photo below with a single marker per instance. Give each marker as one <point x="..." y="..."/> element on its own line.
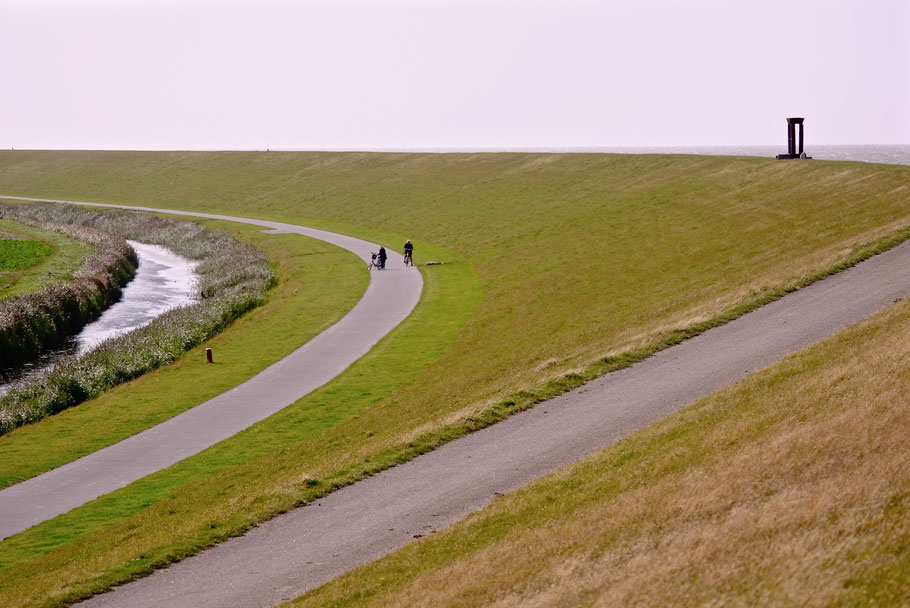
<point x="390" y="297"/>
<point x="309" y="546"/>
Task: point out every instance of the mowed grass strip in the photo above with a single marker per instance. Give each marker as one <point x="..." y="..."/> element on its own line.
<point x="791" y="488"/>
<point x="54" y="259"/>
<point x="583" y="263"/>
<point x="300" y="307"/>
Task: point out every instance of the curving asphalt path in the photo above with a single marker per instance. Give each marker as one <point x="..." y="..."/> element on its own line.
<point x="307" y="547"/>
<point x="390" y="297"/>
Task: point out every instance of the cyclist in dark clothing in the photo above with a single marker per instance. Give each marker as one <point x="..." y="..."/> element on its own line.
<point x="382" y="257"/>
<point x="408" y="253"/>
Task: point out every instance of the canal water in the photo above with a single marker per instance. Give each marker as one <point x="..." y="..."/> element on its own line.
<point x="163" y="281"/>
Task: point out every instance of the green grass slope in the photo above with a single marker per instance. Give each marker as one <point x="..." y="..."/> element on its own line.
<point x="791" y="488"/>
<point x="556" y="266"/>
<point x="580" y="256"/>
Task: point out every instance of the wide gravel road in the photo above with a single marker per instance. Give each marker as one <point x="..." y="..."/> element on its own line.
<point x="390" y="297"/>
<point x="302" y="549"/>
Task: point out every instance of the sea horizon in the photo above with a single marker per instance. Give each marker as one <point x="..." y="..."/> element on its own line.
<point x="893" y="154"/>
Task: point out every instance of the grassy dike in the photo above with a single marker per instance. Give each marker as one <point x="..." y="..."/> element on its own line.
<point x="791" y="488"/>
<point x="561" y="266"/>
<point x="66" y="256"/>
<point x="580" y="256"/>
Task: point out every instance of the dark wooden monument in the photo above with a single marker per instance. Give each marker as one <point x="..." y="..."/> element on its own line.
<point x="792" y="151"/>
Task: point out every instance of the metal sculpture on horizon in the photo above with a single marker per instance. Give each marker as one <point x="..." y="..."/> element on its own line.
<point x="791" y="139"/>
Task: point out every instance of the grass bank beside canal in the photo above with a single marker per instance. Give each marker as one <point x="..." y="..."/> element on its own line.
<point x="66" y="255"/>
<point x="559" y="266"/>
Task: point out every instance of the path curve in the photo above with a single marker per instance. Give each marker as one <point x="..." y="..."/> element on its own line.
<point x="295" y="552"/>
<point x="390" y="297"/>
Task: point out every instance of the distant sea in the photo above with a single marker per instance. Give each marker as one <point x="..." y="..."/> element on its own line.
<point x="889" y="155"/>
<point x="885" y="154"/>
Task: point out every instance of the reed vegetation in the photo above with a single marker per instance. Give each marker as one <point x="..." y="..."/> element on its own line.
<point x="232" y="278"/>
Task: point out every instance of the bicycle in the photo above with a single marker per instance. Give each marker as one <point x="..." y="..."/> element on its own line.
<point x="375" y="262"/>
<point x="407" y="259"/>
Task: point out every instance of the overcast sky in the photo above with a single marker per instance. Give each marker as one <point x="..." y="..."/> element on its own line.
<point x="349" y="74"/>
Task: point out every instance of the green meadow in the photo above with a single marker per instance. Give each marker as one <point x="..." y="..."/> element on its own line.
<point x="558" y="267"/>
<point x="16" y="254"/>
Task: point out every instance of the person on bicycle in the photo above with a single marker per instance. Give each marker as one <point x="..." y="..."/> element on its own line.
<point x="382" y="257"/>
<point x="408" y="253"/>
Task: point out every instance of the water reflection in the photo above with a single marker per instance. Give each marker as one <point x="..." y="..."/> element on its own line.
<point x="163" y="281"/>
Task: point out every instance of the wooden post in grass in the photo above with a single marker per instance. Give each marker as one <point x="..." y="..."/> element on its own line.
<point x="208" y="355"/>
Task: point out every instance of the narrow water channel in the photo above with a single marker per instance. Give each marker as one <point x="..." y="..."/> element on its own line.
<point x="163" y="281"/>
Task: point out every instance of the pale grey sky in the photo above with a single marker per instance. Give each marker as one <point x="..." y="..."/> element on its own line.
<point x="358" y="74"/>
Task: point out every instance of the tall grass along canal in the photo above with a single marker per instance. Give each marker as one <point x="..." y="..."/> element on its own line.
<point x="163" y="281"/>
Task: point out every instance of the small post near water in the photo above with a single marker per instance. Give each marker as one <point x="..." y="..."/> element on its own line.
<point x="208" y="355"/>
<point x="792" y="150"/>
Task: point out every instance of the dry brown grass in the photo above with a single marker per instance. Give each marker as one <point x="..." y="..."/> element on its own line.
<point x="790" y="489"/>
